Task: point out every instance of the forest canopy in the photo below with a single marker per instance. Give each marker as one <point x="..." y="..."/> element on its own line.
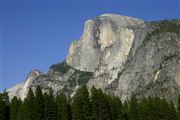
<point x="85" y="105"/>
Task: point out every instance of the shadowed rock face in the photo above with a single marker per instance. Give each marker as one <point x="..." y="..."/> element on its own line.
<point x="120" y="54"/>
<point x="154" y="69"/>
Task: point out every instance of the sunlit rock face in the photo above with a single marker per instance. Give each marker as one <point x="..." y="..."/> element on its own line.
<point x="21" y="90"/>
<point x="119" y="54"/>
<point x="129" y="57"/>
<point x="60" y="77"/>
<point x="105" y="40"/>
<point x="104" y="47"/>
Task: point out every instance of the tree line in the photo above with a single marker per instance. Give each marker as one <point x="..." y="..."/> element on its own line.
<point x="93" y="105"/>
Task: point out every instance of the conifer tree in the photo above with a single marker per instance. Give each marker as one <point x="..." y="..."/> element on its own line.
<point x="50" y="106"/>
<point x="104" y="108"/>
<point x="81" y="109"/>
<point x="4" y="106"/>
<point x="150" y="104"/>
<point x="94" y="103"/>
<point x="134" y="110"/>
<point x="118" y="107"/>
<point x="29" y="105"/>
<point x="14" y="108"/>
<point x="115" y="107"/>
<point x="172" y="115"/>
<point x="178" y="108"/>
<point x="125" y="111"/>
<point x="164" y="109"/>
<point x="143" y="110"/>
<point x="69" y="111"/>
<point x="62" y="107"/>
<point x="100" y="106"/>
<point x="39" y="104"/>
<point x="154" y="105"/>
<point x="21" y="112"/>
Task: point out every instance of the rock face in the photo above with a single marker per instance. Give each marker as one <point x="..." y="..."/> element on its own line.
<point x="106" y="39"/>
<point x="21" y="90"/>
<point x="120" y="54"/>
<point x="60" y="77"/>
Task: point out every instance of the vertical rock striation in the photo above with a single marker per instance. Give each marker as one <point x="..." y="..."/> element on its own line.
<point x="119" y="54"/>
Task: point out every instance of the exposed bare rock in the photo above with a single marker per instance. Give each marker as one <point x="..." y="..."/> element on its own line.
<point x="122" y="55"/>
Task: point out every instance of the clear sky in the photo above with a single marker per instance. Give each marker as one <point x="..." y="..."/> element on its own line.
<point x="37" y="33"/>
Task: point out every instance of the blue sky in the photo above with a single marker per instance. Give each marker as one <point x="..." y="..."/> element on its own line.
<point x="37" y="33"/>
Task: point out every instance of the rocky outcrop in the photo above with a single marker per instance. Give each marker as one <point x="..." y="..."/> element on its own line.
<point x="154" y="69"/>
<point x="130" y="56"/>
<point x="106" y="39"/>
<point x="21" y="90"/>
<point x="60" y="77"/>
<point x="104" y="47"/>
<point x="121" y="55"/>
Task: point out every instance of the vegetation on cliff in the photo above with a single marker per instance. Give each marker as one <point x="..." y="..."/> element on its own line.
<point x="163" y="26"/>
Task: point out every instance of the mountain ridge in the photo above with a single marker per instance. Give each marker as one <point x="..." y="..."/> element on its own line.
<point x="122" y="56"/>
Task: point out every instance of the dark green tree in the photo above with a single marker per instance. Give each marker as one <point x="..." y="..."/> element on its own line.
<point x="125" y="111"/>
<point x="143" y="110"/>
<point x="4" y="106"/>
<point x="69" y="111"/>
<point x="164" y="109"/>
<point x="115" y="107"/>
<point x="104" y="108"/>
<point x="94" y="103"/>
<point x="133" y="108"/>
<point x="21" y="113"/>
<point x="172" y="115"/>
<point x="100" y="106"/>
<point x="81" y="109"/>
<point x="151" y="107"/>
<point x="50" y="111"/>
<point x="14" y="108"/>
<point x="29" y="105"/>
<point x="39" y="104"/>
<point x="178" y="108"/>
<point x="62" y="107"/>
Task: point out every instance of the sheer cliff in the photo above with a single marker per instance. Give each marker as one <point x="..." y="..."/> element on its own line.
<point x="122" y="55"/>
